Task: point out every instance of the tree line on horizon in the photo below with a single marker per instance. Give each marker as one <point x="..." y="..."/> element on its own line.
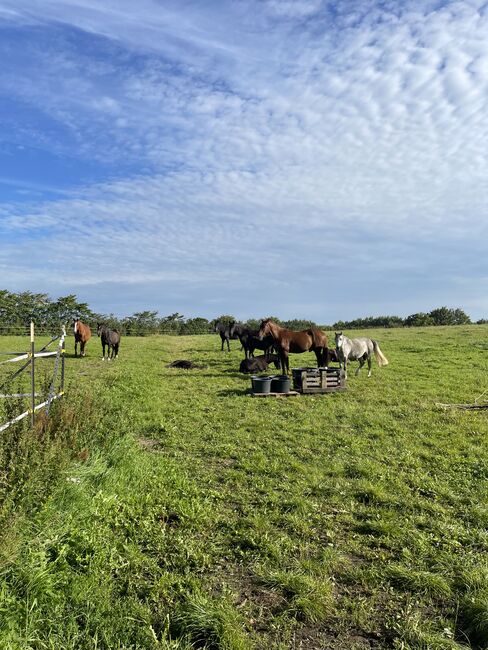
<point x="18" y="309"/>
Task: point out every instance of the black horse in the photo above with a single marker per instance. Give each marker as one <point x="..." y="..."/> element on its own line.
<point x="109" y="338"/>
<point x="224" y="329"/>
<point x="259" y="364"/>
<point x="249" y="340"/>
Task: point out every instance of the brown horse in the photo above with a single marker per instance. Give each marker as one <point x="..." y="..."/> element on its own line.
<point x="287" y="341"/>
<point x="82" y="336"/>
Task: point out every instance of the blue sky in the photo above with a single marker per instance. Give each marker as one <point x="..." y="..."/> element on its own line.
<point x="303" y="158"/>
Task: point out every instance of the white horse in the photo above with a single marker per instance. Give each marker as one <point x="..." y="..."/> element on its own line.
<point x="358" y="350"/>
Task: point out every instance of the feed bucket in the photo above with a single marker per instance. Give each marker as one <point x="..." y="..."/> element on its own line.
<point x="261" y="384"/>
<point x="280" y="384"/>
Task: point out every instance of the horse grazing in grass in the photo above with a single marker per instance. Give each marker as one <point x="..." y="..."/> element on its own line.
<point x="109" y="338"/>
<point x="287" y="341"/>
<point x="360" y="350"/>
<point x="224" y="330"/>
<point x="82" y="335"/>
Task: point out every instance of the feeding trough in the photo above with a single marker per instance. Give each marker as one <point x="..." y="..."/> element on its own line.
<point x="318" y="380"/>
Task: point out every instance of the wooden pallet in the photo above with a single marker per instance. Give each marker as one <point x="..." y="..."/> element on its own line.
<point x="291" y="393"/>
<point x="318" y="380"/>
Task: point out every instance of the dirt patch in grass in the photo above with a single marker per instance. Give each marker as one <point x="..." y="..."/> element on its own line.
<point x="149" y="444"/>
<point x="312" y="638"/>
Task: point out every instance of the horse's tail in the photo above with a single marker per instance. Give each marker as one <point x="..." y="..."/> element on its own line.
<point x="380" y="357"/>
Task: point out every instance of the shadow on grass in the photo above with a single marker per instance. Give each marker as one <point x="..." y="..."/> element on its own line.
<point x="233" y="392"/>
<point x="71" y="355"/>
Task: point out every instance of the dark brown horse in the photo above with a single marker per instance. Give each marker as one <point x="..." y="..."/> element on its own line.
<point x="224" y="329"/>
<point x="82" y="336"/>
<point x="109" y="338"/>
<point x="287" y="341"/>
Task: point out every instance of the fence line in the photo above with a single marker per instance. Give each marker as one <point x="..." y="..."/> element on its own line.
<point x="31" y="356"/>
<point x="3" y="395"/>
<point x="28" y="355"/>
<point x="8" y="331"/>
<point x="29" y="411"/>
<point x="125" y="330"/>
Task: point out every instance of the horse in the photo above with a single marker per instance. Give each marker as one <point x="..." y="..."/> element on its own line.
<point x="224" y="329"/>
<point x="82" y="335"/>
<point x="287" y="341"/>
<point x="109" y="338"/>
<point x="250" y="341"/>
<point x="333" y="356"/>
<point x="358" y="350"/>
<point x="259" y="364"/>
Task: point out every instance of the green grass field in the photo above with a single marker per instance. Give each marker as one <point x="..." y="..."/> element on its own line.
<point x="168" y="509"/>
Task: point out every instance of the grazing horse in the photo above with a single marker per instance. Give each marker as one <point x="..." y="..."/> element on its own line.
<point x="287" y="341"/>
<point x="250" y="341"/>
<point x="109" y="338"/>
<point x="82" y="335"/>
<point x="224" y="329"/>
<point x="358" y="350"/>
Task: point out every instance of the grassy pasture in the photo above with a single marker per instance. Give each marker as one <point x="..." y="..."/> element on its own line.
<point x="177" y="512"/>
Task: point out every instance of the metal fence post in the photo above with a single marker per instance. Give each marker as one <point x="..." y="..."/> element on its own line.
<point x="33" y="378"/>
<point x="62" y="368"/>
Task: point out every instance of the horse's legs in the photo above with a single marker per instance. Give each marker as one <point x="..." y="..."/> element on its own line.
<point x="76" y="348"/>
<point x="369" y="365"/>
<point x="283" y="362"/>
<point x="324" y="357"/>
<point x="222" y="338"/>
<point x="82" y="348"/>
<point x="228" y="345"/>
<point x="362" y="361"/>
<point x="247" y="350"/>
<point x="103" y="350"/>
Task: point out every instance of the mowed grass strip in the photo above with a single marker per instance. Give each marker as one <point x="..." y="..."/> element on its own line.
<point x="199" y="517"/>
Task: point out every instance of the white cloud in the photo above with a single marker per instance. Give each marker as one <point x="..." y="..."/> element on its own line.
<point x="277" y="132"/>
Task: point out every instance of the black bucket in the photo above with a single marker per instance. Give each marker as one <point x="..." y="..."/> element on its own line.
<point x="280" y="384"/>
<point x="261" y="384"/>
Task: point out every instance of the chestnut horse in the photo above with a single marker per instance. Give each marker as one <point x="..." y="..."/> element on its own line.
<point x="82" y="336"/>
<point x="287" y="341"/>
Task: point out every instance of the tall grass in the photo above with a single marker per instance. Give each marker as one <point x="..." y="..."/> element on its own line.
<point x="161" y="508"/>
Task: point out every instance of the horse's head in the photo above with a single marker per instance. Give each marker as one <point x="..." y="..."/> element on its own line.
<point x="339" y="340"/>
<point x="99" y="328"/>
<point x="75" y="324"/>
<point x="264" y="329"/>
<point x="274" y="358"/>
